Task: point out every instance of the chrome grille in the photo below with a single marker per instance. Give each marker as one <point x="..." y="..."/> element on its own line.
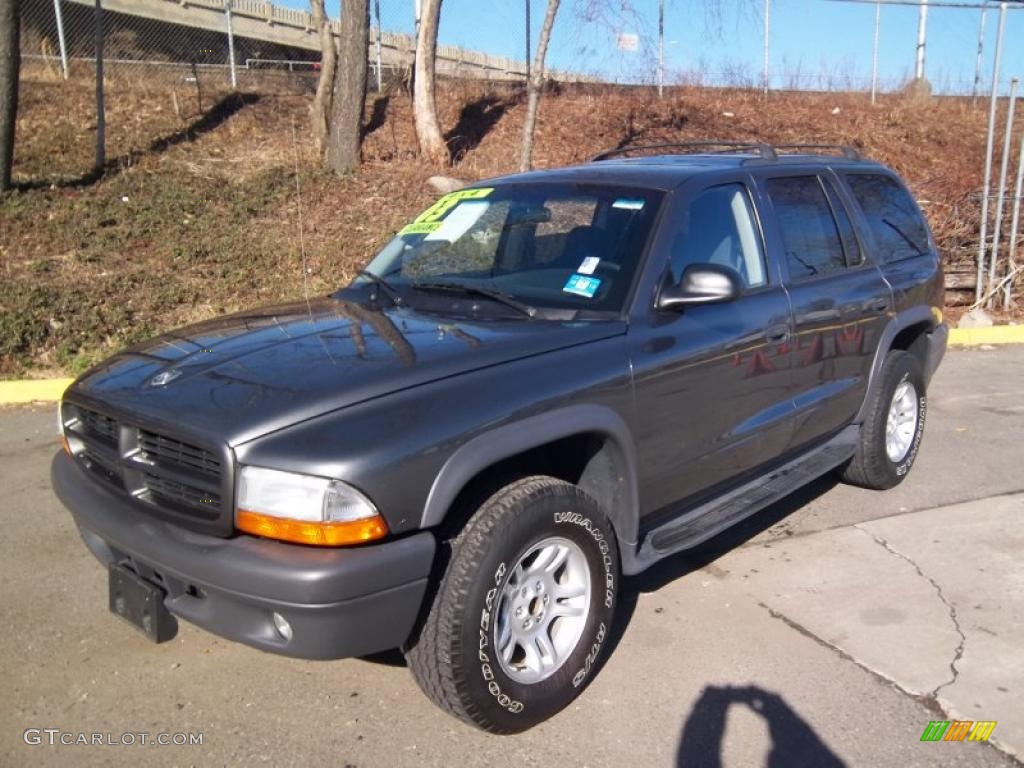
<point x="175" y="478"/>
<point x="177" y="495"/>
<point x="160" y="449"/>
<point x="99" y="426"/>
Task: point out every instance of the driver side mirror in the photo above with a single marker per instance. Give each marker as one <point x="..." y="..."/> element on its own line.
<point x="701" y="284"/>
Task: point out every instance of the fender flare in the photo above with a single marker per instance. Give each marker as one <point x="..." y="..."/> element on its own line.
<point x="505" y="441"/>
<point x="901" y="321"/>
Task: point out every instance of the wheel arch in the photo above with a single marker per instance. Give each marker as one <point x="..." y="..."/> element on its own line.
<point x="908" y="331"/>
<point x="589" y="445"/>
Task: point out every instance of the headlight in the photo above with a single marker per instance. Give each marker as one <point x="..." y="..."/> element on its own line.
<point x="304" y="509"/>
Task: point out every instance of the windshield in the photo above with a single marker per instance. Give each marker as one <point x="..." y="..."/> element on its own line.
<point x="545" y="246"/>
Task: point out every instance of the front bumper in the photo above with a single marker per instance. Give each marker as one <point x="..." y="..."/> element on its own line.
<point x="339" y="602"/>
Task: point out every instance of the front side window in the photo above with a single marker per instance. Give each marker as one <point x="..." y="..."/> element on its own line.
<point x="548" y="245"/>
<point x="899" y="230"/>
<point x="808" y="228"/>
<point x="719" y="228"/>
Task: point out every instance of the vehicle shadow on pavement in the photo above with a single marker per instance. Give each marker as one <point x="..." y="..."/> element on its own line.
<point x="677" y="566"/>
<point x="794" y="742"/>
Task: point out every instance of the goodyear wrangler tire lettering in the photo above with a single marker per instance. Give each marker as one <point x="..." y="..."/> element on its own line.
<point x="462" y="660"/>
<point x="871" y="466"/>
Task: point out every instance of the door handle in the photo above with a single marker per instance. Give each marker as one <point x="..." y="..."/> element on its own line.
<point x="777" y="334"/>
<point x="878" y="305"/>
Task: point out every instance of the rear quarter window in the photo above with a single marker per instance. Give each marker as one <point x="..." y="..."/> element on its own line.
<point x="895" y="221"/>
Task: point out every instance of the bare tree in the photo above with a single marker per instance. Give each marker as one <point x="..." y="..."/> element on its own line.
<point x="344" y="136"/>
<point x="536" y="85"/>
<point x="10" y="62"/>
<point x="328" y="67"/>
<point x="428" y="127"/>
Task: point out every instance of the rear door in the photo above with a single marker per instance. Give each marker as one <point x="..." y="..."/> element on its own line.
<point x="840" y="300"/>
<point x="712" y="381"/>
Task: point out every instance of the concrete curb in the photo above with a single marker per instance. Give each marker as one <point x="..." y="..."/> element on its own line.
<point x="996" y="334"/>
<point x="50" y="390"/>
<point x="32" y="391"/>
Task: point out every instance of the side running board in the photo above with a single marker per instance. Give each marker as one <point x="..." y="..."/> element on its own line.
<point x="701" y="523"/>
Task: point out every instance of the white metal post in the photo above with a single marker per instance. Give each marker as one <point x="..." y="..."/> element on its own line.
<point x="874" y="51"/>
<point x="981" y="55"/>
<point x="922" y="36"/>
<point x="661" y="48"/>
<point x="1015" y="223"/>
<point x="231" y="43"/>
<point x="993" y="102"/>
<point x="767" y="31"/>
<point x="60" y="38"/>
<point x="380" y="82"/>
<point x="1001" y="197"/>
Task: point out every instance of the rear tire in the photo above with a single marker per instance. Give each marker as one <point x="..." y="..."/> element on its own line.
<point x="523" y="612"/>
<point x="893" y="426"/>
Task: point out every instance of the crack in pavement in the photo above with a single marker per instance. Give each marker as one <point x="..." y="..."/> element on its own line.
<point x="959" y="651"/>
<point x="929" y="701"/>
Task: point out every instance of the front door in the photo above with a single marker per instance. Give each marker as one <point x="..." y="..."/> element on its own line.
<point x="713" y="382"/>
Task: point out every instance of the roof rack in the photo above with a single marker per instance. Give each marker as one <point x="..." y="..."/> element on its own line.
<point x="764" y="150"/>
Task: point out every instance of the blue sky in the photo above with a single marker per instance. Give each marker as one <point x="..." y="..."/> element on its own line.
<point x="811" y="40"/>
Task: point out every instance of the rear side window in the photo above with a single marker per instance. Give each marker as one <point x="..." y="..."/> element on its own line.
<point x="899" y="230"/>
<point x="809" y="232"/>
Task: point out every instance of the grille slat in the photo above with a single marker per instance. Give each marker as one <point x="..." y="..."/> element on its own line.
<point x="164" y="449"/>
<point x="101" y="427"/>
<point x="164" y="491"/>
<point x="160" y="471"/>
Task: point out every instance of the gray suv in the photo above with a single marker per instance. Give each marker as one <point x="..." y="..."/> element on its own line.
<point x="545" y="382"/>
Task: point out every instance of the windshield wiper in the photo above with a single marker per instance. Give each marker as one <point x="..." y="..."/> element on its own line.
<point x="478" y="290"/>
<point x="384" y="285"/>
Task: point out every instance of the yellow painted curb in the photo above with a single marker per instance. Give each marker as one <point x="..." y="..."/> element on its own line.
<point x="32" y="390"/>
<point x="996" y="334"/>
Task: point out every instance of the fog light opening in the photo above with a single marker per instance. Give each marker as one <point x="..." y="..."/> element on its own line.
<point x="284" y="629"/>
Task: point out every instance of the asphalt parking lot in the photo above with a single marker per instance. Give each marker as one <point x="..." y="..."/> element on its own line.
<point x="827" y="631"/>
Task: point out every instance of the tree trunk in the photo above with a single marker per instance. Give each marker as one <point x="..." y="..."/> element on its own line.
<point x="344" y="135"/>
<point x="328" y="67"/>
<point x="424" y="103"/>
<point x="536" y="85"/>
<point x="10" y="61"/>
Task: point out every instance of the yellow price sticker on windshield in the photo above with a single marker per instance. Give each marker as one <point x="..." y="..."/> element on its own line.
<point x="439" y="210"/>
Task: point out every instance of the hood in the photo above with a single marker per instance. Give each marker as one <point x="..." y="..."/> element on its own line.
<point x="238" y="377"/>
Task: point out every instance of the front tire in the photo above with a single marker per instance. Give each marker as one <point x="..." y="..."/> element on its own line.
<point x="893" y="426"/>
<point x="524" y="610"/>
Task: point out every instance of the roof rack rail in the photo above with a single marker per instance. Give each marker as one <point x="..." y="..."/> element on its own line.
<point x="848" y="152"/>
<point x="766" y="151"/>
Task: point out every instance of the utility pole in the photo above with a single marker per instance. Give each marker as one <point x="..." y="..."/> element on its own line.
<point x="981" y="51"/>
<point x="231" y="44"/>
<point x="767" y="30"/>
<point x="529" y="46"/>
<point x="922" y="35"/>
<point x="874" y="51"/>
<point x="661" y="49"/>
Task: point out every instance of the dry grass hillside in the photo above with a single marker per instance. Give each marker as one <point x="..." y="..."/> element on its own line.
<point x="207" y="210"/>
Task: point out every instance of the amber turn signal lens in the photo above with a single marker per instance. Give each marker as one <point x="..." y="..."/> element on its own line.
<point x="330" y="534"/>
<point x="65" y="445"/>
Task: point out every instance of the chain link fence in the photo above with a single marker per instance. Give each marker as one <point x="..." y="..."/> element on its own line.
<point x="252" y="44"/>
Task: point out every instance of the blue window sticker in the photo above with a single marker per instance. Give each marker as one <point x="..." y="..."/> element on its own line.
<point x="582" y="285"/>
<point x="628" y="205"/>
